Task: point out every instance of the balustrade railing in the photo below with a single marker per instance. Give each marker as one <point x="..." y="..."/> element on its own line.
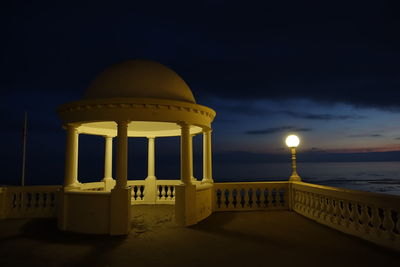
<point x="251" y="196"/>
<point x="371" y="216"/>
<point x="166" y="191"/>
<point x="138" y="191"/>
<point x="29" y="201"/>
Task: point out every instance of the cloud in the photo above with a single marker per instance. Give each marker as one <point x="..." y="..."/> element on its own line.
<point x="278" y="130"/>
<point x="325" y="116"/>
<point x="244" y="109"/>
<point x="365" y="135"/>
<point x="249" y="110"/>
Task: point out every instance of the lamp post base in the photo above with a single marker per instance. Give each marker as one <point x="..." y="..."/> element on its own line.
<point x="295" y="178"/>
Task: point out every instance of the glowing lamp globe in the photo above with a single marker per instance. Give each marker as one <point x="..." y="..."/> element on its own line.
<point x="292" y="141"/>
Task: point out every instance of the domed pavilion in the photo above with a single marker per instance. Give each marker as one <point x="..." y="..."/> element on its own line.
<point x="135" y="98"/>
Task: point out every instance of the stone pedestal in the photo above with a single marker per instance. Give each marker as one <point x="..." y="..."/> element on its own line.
<point x="185" y="204"/>
<point x="120" y="211"/>
<point x="109" y="183"/>
<point x="150" y="196"/>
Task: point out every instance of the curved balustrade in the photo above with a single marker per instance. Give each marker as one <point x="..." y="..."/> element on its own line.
<point x="251" y="196"/>
<point x="164" y="192"/>
<point x="371" y="216"/>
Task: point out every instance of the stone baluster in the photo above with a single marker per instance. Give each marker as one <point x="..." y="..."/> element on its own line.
<point x="388" y="223"/>
<point x="270" y="197"/>
<point x="276" y="197"/>
<point x="264" y="197"/>
<point x="163" y="193"/>
<point x="168" y="192"/>
<point x="306" y="202"/>
<point x="329" y="210"/>
<point x="299" y="200"/>
<point x="302" y="201"/>
<point x="250" y="195"/>
<point x="313" y="205"/>
<point x="364" y="218"/>
<point x="227" y="196"/>
<point x="245" y="197"/>
<point x="40" y="201"/>
<point x="353" y="216"/>
<point x="24" y="200"/>
<point x="336" y="212"/>
<point x="346" y="214"/>
<point x="322" y="213"/>
<point x="376" y="221"/>
<point x="398" y="222"/>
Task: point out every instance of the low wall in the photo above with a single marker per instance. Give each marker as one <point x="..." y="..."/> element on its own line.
<point x="204" y="194"/>
<point x="85" y="212"/>
<point x="193" y="203"/>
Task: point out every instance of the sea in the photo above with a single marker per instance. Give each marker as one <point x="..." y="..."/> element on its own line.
<point x="379" y="177"/>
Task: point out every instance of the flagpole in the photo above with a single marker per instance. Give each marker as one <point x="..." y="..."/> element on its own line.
<point x="24" y="148"/>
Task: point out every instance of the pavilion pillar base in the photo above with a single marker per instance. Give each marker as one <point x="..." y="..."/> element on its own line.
<point x="73" y="186"/>
<point x="109" y="184"/>
<point x="120" y="211"/>
<point x="185" y="204"/>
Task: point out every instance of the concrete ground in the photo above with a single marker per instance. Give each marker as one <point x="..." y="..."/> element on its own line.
<point x="278" y="238"/>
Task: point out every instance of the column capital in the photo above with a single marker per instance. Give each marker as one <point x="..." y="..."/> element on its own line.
<point x="123" y="122"/>
<point x="71" y="126"/>
<point x="183" y="124"/>
<point x="207" y="130"/>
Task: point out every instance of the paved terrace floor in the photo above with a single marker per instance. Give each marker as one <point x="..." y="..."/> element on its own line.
<point x="279" y="238"/>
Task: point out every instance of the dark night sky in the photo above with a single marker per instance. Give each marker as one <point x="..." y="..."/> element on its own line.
<point x="327" y="71"/>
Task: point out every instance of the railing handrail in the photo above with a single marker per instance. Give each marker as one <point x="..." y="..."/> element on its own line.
<point x="168" y="182"/>
<point x="92" y="184"/>
<point x="250" y="183"/>
<point x="32" y="188"/>
<point x="136" y="182"/>
<point x="376" y="199"/>
<point x="81" y="192"/>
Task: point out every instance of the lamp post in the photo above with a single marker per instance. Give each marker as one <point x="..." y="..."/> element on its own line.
<point x="293" y="141"/>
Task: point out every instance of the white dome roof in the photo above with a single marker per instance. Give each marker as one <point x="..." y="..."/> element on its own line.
<point x="140" y="79"/>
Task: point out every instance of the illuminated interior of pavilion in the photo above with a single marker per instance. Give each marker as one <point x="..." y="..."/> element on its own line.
<point x="137" y="98"/>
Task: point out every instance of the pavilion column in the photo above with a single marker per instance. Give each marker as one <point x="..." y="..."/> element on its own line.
<point x="71" y="157"/>
<point x="120" y="199"/>
<point x="151" y="157"/>
<point x="207" y="156"/>
<point x="185" y="193"/>
<point x="191" y="156"/>
<point x="186" y="154"/>
<point x="151" y="180"/>
<point x="122" y="155"/>
<point x="108" y="148"/>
